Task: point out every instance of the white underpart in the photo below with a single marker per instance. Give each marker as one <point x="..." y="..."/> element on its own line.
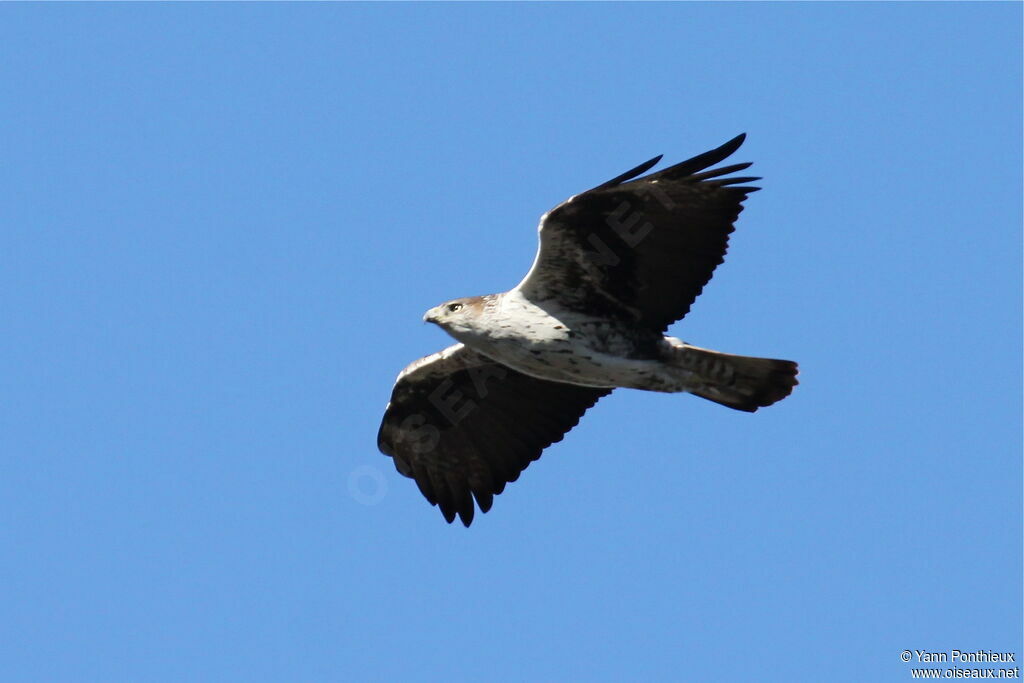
<point x="567" y="346"/>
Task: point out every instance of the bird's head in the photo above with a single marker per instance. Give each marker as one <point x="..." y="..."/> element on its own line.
<point x="456" y="317"/>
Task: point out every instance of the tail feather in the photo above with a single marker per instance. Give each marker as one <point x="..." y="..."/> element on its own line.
<point x="740" y="382"/>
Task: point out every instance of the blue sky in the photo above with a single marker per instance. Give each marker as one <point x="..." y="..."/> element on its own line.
<point x="220" y="227"/>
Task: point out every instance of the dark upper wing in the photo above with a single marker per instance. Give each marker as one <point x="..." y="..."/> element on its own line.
<point x="640" y="249"/>
<point x="463" y="426"/>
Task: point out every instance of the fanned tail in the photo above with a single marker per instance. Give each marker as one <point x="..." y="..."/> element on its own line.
<point x="739" y="382"/>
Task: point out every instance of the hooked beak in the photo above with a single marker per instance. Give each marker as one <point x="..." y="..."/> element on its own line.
<point x="430" y="316"/>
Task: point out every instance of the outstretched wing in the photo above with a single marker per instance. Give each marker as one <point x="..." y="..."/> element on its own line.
<point x="640" y="249"/>
<point x="463" y="426"/>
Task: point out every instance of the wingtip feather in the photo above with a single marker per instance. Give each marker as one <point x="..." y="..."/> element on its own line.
<point x="631" y="173"/>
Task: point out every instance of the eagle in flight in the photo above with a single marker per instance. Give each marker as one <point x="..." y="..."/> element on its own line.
<point x="616" y="266"/>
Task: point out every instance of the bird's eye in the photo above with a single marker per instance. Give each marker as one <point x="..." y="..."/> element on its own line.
<point x="454" y="307"/>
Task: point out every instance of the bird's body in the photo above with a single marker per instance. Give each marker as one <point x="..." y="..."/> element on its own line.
<point x="616" y="265"/>
<point x="560" y="344"/>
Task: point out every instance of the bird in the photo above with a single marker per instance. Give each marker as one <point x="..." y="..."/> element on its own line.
<point x="616" y="265"/>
